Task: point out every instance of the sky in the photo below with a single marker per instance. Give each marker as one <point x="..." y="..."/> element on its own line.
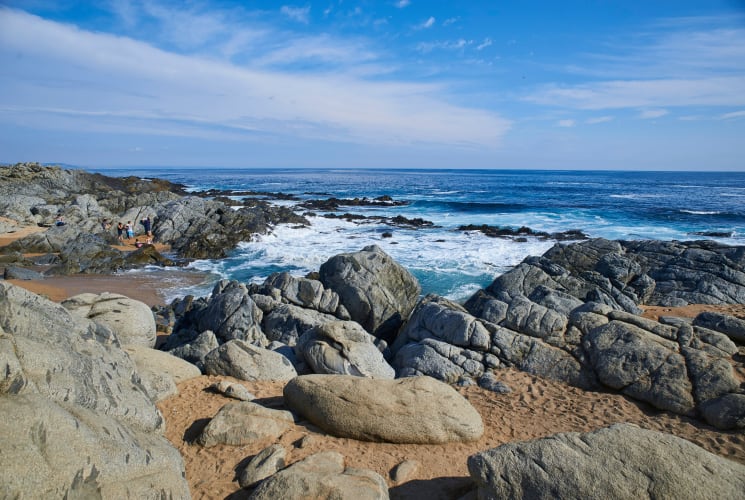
<point x="594" y="84"/>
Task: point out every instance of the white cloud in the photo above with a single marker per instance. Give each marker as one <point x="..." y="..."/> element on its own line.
<point x="599" y="119"/>
<point x="299" y="14"/>
<point x="402" y="3"/>
<point x="428" y="23"/>
<point x="486" y="43"/>
<point x="566" y="123"/>
<point x="95" y="81"/>
<point x="647" y="114"/>
<point x="734" y="114"/>
<point x="449" y="21"/>
<point x="426" y="47"/>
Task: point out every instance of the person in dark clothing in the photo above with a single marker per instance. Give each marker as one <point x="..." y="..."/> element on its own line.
<point x="147" y="224"/>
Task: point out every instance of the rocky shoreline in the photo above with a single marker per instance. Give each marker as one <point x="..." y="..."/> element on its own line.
<point x="358" y="352"/>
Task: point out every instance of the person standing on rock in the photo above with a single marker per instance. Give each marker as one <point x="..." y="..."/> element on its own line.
<point x="130" y="230"/>
<point x="120" y="232"/>
<point x="147" y="224"/>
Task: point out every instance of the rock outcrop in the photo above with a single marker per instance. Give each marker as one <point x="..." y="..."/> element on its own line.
<point x="377" y="292"/>
<point x="244" y="422"/>
<point x="622" y="461"/>
<point x="244" y="361"/>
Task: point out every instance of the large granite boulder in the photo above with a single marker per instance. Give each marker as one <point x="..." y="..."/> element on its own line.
<point x="622" y="461"/>
<point x="70" y="360"/>
<point x="244" y="422"/>
<point x="231" y="314"/>
<point x="286" y="323"/>
<point x="408" y="410"/>
<point x="322" y="475"/>
<point x="265" y="463"/>
<point x="343" y="348"/>
<point x="89" y="254"/>
<point x="377" y="292"/>
<point x="245" y="361"/>
<point x="130" y="319"/>
<point x="196" y="350"/>
<point x="304" y="292"/>
<point x="60" y="450"/>
<point x="160" y="371"/>
<point x="733" y="327"/>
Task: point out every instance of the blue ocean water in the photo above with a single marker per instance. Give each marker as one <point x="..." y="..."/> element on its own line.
<point x="452" y="263"/>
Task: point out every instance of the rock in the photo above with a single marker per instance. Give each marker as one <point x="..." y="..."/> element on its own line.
<point x="525" y="316"/>
<point x="71" y="360"/>
<point x="444" y="320"/>
<point x="490" y="382"/>
<point x="404" y="471"/>
<point x="304" y="292"/>
<point x="621" y="461"/>
<point x="232" y="314"/>
<point x="231" y="390"/>
<point x="130" y="319"/>
<point x="641" y="365"/>
<point x="322" y="475"/>
<point x="726" y="412"/>
<point x="160" y="371"/>
<point x="377" y="292"/>
<point x="432" y="358"/>
<point x="146" y="255"/>
<point x="409" y="410"/>
<point x="88" y="254"/>
<point x="733" y="327"/>
<point x="244" y="422"/>
<point x="343" y="348"/>
<point x="53" y="450"/>
<point x="286" y="322"/>
<point x="266" y="463"/>
<point x="21" y="273"/>
<point x="196" y="350"/>
<point x="244" y="361"/>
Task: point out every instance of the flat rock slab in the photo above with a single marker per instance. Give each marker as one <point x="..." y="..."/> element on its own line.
<point x="244" y="422"/>
<point x="622" y="461"/>
<point x="409" y="410"/>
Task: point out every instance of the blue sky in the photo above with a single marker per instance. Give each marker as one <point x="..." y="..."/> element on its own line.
<point x="597" y="84"/>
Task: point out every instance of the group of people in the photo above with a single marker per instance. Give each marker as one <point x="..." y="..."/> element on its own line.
<point x="128" y="231"/>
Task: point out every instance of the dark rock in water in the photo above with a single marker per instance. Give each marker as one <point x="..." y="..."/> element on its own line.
<point x="147" y="255"/>
<point x="333" y="204"/>
<point x="377" y="292"/>
<point x="507" y="232"/>
<point x="386" y="235"/>
<point x="713" y="234"/>
<point x="621" y="461"/>
<point x="20" y="273"/>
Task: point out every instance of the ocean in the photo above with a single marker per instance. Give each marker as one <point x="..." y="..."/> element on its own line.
<point x="454" y="263"/>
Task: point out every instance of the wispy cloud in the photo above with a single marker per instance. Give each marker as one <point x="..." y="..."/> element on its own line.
<point x="402" y="3"/>
<point x="428" y="23"/>
<point x="648" y="114"/>
<point x="299" y="14"/>
<point x="95" y="80"/>
<point x="486" y="43"/>
<point x="733" y="115"/>
<point x="425" y="47"/>
<point x="566" y="123"/>
<point x="449" y="21"/>
<point x="599" y="119"/>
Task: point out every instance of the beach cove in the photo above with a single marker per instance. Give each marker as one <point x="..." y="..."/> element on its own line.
<point x="528" y="349"/>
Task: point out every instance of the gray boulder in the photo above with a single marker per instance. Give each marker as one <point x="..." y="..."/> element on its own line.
<point x="726" y="412"/>
<point x="244" y="422"/>
<point x="130" y="319"/>
<point x="733" y="327"/>
<point x="322" y="475"/>
<point x="286" y="323"/>
<point x="71" y="360"/>
<point x="53" y="450"/>
<point x="88" y="254"/>
<point x="621" y="461"/>
<point x="343" y="348"/>
<point x="385" y="410"/>
<point x="377" y="292"/>
<point x="160" y="371"/>
<point x="21" y="273"/>
<point x="641" y="365"/>
<point x="232" y="314"/>
<point x="244" y="361"/>
<point x="232" y="390"/>
<point x="304" y="292"/>
<point x="264" y="464"/>
<point x="196" y="350"/>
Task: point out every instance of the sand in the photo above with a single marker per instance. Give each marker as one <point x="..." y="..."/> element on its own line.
<point x="537" y="407"/>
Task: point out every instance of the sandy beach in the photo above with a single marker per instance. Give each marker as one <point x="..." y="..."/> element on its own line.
<point x="537" y="407"/>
